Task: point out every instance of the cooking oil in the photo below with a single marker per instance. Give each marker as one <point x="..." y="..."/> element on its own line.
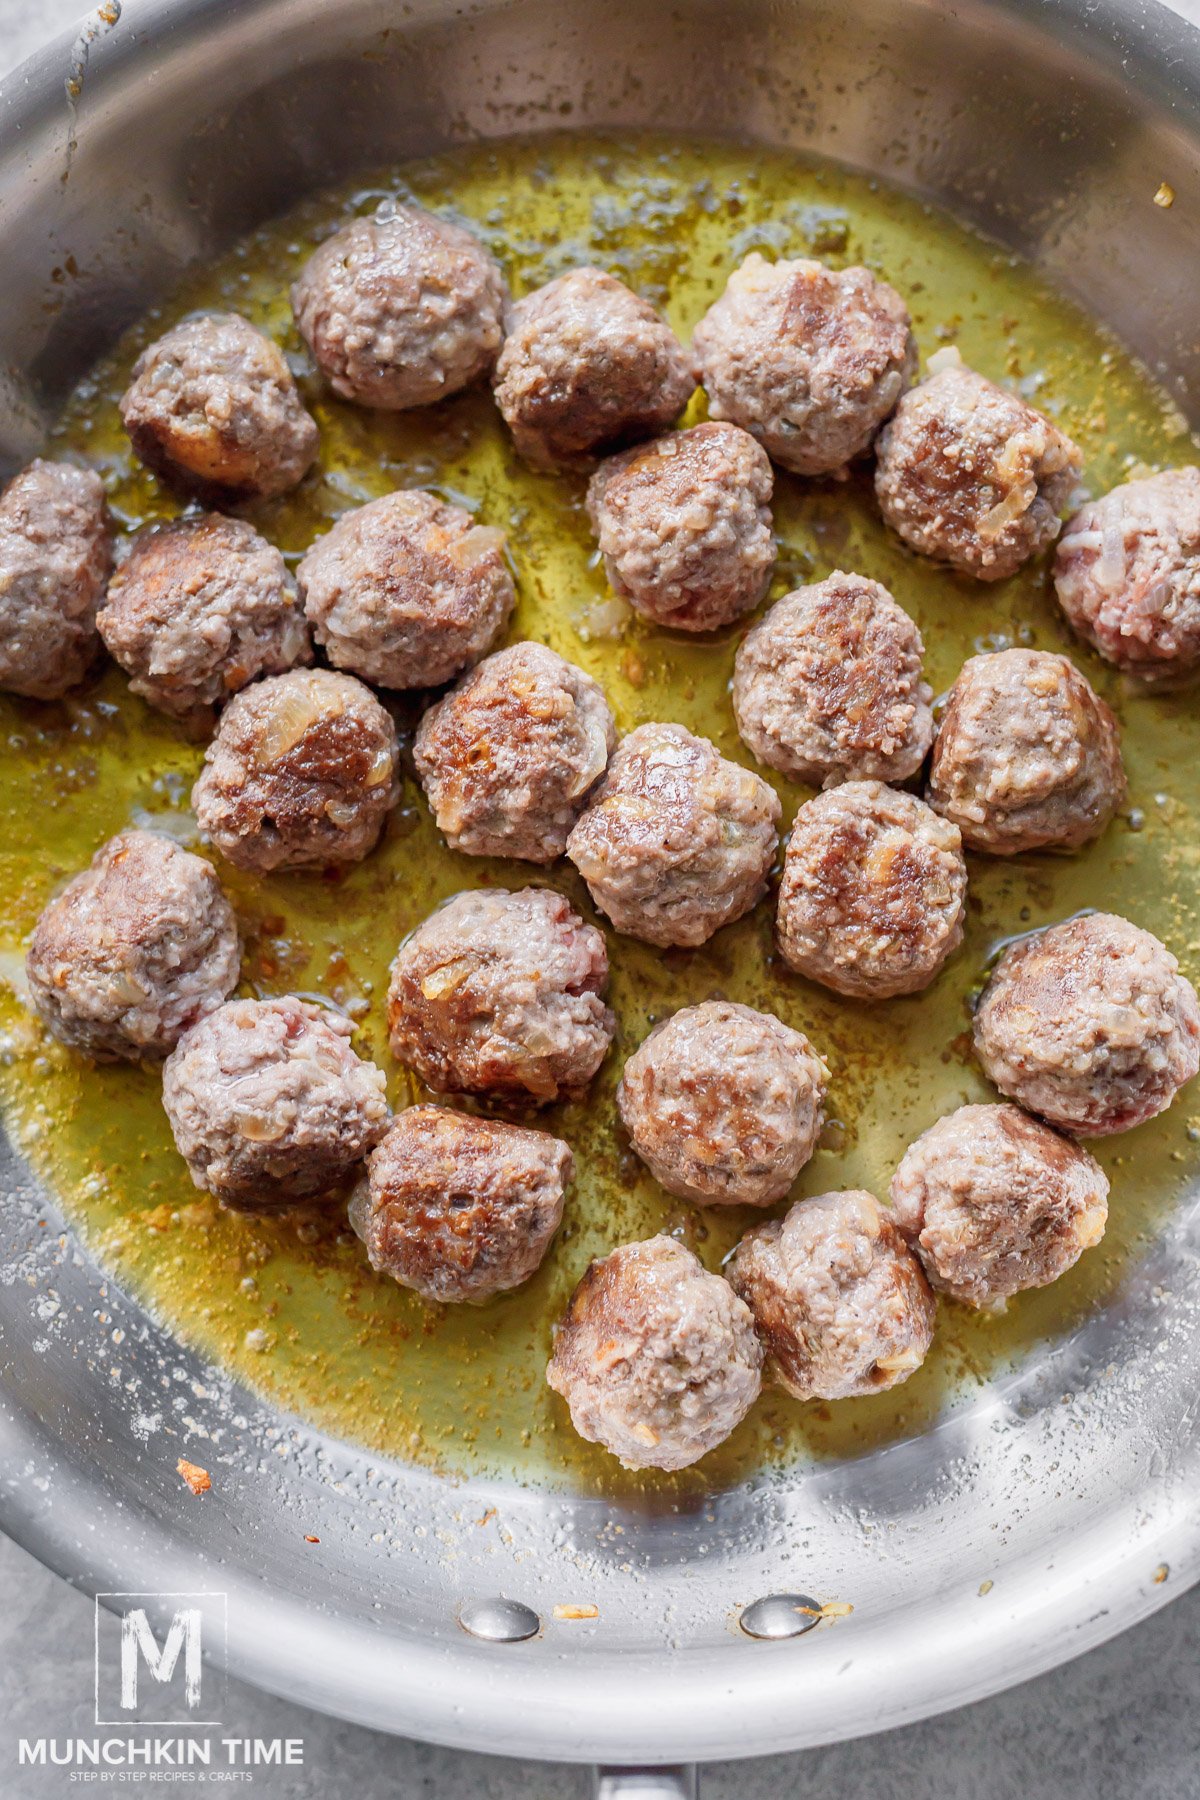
<point x="289" y="1304"/>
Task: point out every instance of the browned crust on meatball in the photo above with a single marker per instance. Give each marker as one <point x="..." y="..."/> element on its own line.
<point x="502" y="993"/>
<point x="656" y="1358"/>
<point x="401" y="310"/>
<point x="212" y="408"/>
<point x="994" y="1202"/>
<point x="970" y="475"/>
<point x="586" y="367"/>
<point x="676" y="841"/>
<point x="1127" y="575"/>
<point x="509" y="757"/>
<point x="460" y="1208"/>
<point x="684" y="525"/>
<point x="55" y="557"/>
<point x="828" y="686"/>
<point x="873" y="892"/>
<point x="810" y="360"/>
<point x="1027" y="756"/>
<point x="839" y="1301"/>
<point x="302" y="773"/>
<point x="134" y="951"/>
<point x="724" y="1104"/>
<point x="198" y="608"/>
<point x="1090" y="1025"/>
<point x="407" y="591"/>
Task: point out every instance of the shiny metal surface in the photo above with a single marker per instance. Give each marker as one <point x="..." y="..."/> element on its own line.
<point x="673" y="1782"/>
<point x="1059" y="1507"/>
<point x="780" y="1616"/>
<point x="499" y="1621"/>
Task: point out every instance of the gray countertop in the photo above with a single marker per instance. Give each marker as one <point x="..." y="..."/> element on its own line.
<point x="1121" y="1722"/>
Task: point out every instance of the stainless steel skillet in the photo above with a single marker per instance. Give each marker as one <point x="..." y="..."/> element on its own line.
<point x="1072" y="1486"/>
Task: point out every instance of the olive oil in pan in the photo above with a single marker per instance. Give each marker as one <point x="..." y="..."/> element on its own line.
<point x="289" y="1304"/>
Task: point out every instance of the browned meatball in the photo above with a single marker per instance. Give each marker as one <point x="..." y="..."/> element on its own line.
<point x="810" y="360"/>
<point x="1127" y="575"/>
<point x="199" y="608"/>
<point x="971" y="475"/>
<point x="723" y="1104"/>
<point x="676" y="841"/>
<point x="406" y="591"/>
<point x="509" y="757"/>
<point x="1090" y="1025"/>
<point x="302" y="773"/>
<point x="460" y="1208"/>
<point x="656" y="1358"/>
<point x="684" y="525"/>
<point x="994" y="1202"/>
<point x="502" y="994"/>
<point x="402" y="309"/>
<point x="838" y="1298"/>
<point x="872" y="898"/>
<point x="1026" y="755"/>
<point x="55" y="556"/>
<point x="213" y="409"/>
<point x="828" y="687"/>
<point x="134" y="950"/>
<point x="269" y="1104"/>
<point x="586" y="367"/>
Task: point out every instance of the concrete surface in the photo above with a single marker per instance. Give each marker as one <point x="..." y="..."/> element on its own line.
<point x="1122" y="1723"/>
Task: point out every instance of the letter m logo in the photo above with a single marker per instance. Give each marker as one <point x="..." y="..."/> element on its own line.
<point x="138" y="1641"/>
<point x="158" y="1656"/>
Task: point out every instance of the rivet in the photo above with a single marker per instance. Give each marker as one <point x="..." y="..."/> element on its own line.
<point x="780" y="1616"/>
<point x="499" y="1621"/>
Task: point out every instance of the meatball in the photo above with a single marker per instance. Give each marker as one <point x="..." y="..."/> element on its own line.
<point x="656" y="1358"/>
<point x="809" y="360"/>
<point x="460" y="1208"/>
<point x="684" y="525"/>
<point x="269" y="1104"/>
<point x="406" y="591"/>
<point x="402" y="309"/>
<point x="838" y="1298"/>
<point x="994" y="1202"/>
<point x="723" y="1104"/>
<point x="212" y="409"/>
<point x="971" y="475"/>
<point x="502" y="994"/>
<point x="1127" y="575"/>
<point x="134" y="950"/>
<point x="586" y="367"/>
<point x="509" y="757"/>
<point x="873" y="893"/>
<point x="302" y="773"/>
<point x="1090" y="1025"/>
<point x="55" y="557"/>
<point x="676" y="841"/>
<point x="1026" y="755"/>
<point x="199" y="608"/>
<point x="828" y="687"/>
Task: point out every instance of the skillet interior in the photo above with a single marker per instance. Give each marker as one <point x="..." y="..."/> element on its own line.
<point x="890" y="1533"/>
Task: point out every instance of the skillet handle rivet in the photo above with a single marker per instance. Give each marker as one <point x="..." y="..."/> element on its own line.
<point x="499" y="1621"/>
<point x="780" y="1616"/>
